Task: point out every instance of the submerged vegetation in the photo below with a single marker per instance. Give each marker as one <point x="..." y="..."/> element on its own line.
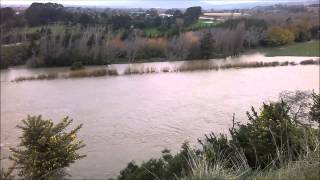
<point x="70" y="74"/>
<point x="280" y="141"/>
<point x="186" y="66"/>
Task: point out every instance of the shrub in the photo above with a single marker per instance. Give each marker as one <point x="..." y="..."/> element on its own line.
<point x="13" y="55"/>
<point x="166" y="167"/>
<point x="266" y="135"/>
<point x="277" y="36"/>
<point x="87" y="73"/>
<point x="46" y="148"/>
<point x="77" y="65"/>
<point x="308" y="62"/>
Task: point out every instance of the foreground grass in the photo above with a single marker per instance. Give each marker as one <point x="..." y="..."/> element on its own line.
<point x="304" y="169"/>
<point x="311" y="48"/>
<point x="300" y="170"/>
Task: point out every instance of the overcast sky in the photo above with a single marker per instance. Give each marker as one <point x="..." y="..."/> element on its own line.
<point x="219" y="4"/>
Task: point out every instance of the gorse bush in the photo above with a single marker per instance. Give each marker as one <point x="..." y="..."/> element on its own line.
<point x="166" y="167"/>
<point x="46" y="148"/>
<point x="278" y="137"/>
<point x="266" y="135"/>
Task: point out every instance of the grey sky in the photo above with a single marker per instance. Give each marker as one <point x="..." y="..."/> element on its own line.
<point x="219" y="4"/>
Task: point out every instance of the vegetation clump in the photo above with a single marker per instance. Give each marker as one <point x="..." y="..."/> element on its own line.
<point x="309" y="62"/>
<point x="76" y="66"/>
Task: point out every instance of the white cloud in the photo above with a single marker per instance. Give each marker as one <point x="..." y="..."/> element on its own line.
<point x="223" y="2"/>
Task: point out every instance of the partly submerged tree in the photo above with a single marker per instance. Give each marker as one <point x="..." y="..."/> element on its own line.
<point x="46" y="148"/>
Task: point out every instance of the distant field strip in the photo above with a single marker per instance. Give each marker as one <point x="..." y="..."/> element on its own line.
<point x="311" y="48"/>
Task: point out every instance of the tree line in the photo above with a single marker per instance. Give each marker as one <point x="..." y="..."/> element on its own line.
<point x="100" y="38"/>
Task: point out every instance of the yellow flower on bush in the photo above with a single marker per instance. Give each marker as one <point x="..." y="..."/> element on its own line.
<point x="73" y="136"/>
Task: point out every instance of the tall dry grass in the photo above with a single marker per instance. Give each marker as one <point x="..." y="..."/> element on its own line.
<point x="70" y="74"/>
<point x="305" y="168"/>
<point x="139" y="70"/>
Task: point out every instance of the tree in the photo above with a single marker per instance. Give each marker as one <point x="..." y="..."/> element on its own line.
<point x="6" y="14"/>
<point x="133" y="46"/>
<point x="253" y="36"/>
<point x="120" y="22"/>
<point x="91" y="41"/>
<point x="179" y="46"/>
<point x="46" y="148"/>
<point x="85" y="19"/>
<point x="276" y="36"/>
<point x="174" y="12"/>
<point x="44" y="13"/>
<point x="206" y="45"/>
<point x="192" y="15"/>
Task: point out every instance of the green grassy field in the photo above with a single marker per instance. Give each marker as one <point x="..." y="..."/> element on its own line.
<point x="311" y="48"/>
<point x="55" y="28"/>
<point x="200" y="24"/>
<point x="152" y="32"/>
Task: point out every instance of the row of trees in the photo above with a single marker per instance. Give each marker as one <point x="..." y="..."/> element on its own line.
<point x="95" y="45"/>
<point x="47" y="13"/>
<point x="121" y="38"/>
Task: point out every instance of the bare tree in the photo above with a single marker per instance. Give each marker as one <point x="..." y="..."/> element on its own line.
<point x="132" y="45"/>
<point x="253" y="36"/>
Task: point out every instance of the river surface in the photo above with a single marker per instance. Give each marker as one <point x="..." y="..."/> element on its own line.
<point x="134" y="117"/>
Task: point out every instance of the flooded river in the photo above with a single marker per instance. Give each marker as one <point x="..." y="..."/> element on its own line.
<point x="134" y="117"/>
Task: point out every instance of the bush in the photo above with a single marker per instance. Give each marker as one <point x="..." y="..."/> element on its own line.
<point x="13" y="55"/>
<point x="277" y="36"/>
<point x="46" y="148"/>
<point x="308" y="62"/>
<point x="271" y="132"/>
<point x="77" y="65"/>
<point x="166" y="167"/>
